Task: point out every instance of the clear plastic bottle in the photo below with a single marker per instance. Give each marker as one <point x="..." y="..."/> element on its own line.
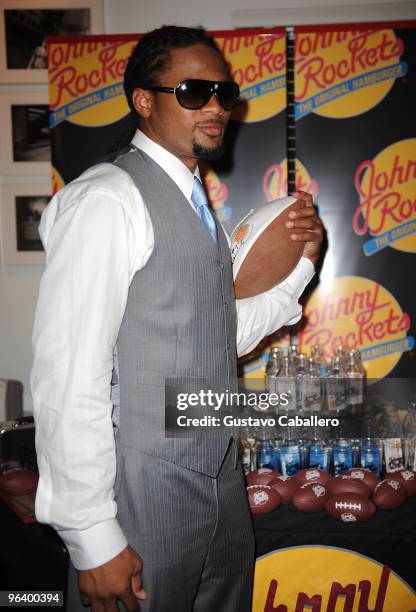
<point x="290" y="452"/>
<point x="319" y="450"/>
<point x="354" y="377"/>
<point x="312" y="387"/>
<point x="335" y="386"/>
<point x="272" y="368"/>
<point x="393" y="441"/>
<point x="318" y="357"/>
<point x="342" y="455"/>
<point x="301" y="375"/>
<point x="286" y="387"/>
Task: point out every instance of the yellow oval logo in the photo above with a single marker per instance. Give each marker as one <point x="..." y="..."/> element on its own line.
<point x="86" y="81"/>
<point x="387" y="189"/>
<point x="257" y="62"/>
<point x="345" y="73"/>
<point x="358" y="313"/>
<point x="331" y="579"/>
<point x="275" y="180"/>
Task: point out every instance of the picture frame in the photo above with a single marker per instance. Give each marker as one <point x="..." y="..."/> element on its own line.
<point x="25" y="145"/>
<point x="23" y="54"/>
<point x="21" y="208"/>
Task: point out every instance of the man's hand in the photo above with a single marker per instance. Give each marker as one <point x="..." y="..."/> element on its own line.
<point x="119" y="578"/>
<point x="307" y="227"/>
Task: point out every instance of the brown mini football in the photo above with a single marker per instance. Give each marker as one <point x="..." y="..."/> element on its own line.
<point x="350" y="507"/>
<point x="311" y="497"/>
<point x="364" y="474"/>
<point x="314" y="475"/>
<point x="262" y="252"/>
<point x="389" y="494"/>
<point x="408" y="479"/>
<point x="262" y="499"/>
<point x="261" y="476"/>
<point x="346" y="484"/>
<point x="286" y="487"/>
<point x="19" y="481"/>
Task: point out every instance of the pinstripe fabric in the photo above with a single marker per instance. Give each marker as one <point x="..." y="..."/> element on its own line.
<point x="180" y="321"/>
<point x="192" y="531"/>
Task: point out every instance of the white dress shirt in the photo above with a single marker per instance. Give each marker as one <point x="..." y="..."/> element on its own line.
<point x="97" y="233"/>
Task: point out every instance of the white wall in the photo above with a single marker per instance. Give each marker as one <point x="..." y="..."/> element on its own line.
<point x="18" y="284"/>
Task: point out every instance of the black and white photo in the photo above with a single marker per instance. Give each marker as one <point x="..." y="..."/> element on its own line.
<point x="29" y="210"/>
<point x="25" y="145"/>
<point x="31" y="134"/>
<point x="22" y="206"/>
<point x="25" y="26"/>
<point x="26" y="30"/>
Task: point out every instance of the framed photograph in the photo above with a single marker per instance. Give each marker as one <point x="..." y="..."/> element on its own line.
<point x="25" y="145"/>
<point x="24" y="25"/>
<point x="21" y="209"/>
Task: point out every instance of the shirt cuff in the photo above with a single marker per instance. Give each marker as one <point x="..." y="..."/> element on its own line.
<point x="89" y="548"/>
<point x="299" y="278"/>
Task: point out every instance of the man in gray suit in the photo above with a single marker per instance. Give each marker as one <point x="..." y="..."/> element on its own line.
<point x="138" y="289"/>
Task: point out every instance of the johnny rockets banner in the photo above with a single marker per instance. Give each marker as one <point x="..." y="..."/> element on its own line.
<point x="356" y="152"/>
<point x="356" y="135"/>
<point x="88" y="108"/>
<point x="355" y="101"/>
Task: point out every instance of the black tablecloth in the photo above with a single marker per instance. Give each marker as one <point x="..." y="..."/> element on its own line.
<point x="33" y="557"/>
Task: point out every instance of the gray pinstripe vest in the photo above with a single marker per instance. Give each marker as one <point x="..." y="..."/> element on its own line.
<point x="180" y="321"/>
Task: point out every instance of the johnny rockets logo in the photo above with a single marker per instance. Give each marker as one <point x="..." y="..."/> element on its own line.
<point x="258" y="64"/>
<point x="275" y="180"/>
<point x="334" y="579"/>
<point x="387" y="189"/>
<point x="217" y="192"/>
<point x="358" y="313"/>
<point x="86" y="81"/>
<point x="345" y="73"/>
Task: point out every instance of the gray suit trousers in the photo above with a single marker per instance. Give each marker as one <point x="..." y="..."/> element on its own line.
<point x="193" y="532"/>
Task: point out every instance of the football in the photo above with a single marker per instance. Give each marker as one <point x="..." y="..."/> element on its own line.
<point x="262" y="252"/>
<point x="261" y="476"/>
<point x="346" y="484"/>
<point x="18" y="481"/>
<point x="311" y="497"/>
<point x="285" y="486"/>
<point x="350" y="507"/>
<point x="364" y="474"/>
<point x="262" y="499"/>
<point x="389" y="494"/>
<point x="408" y="479"/>
<point x="314" y="475"/>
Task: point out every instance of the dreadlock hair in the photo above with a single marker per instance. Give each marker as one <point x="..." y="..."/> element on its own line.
<point x="149" y="59"/>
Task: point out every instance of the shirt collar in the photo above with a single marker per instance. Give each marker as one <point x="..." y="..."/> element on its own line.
<point x="171" y="164"/>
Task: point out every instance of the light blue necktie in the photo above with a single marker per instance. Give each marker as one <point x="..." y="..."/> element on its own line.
<point x="200" y="202"/>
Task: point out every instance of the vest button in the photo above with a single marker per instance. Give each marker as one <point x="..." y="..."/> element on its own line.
<point x="228" y="345"/>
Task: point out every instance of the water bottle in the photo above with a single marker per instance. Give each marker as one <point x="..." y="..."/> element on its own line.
<point x="335" y="386"/>
<point x="318" y="357"/>
<point x="272" y="369"/>
<point x="286" y="387"/>
<point x="312" y="387"/>
<point x="290" y="452"/>
<point x="342" y="455"/>
<point x="319" y="450"/>
<point x="370" y="455"/>
<point x="301" y="374"/>
<point x="268" y="455"/>
<point x="354" y="380"/>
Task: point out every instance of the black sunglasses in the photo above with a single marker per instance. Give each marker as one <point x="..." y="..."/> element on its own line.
<point x="195" y="93"/>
